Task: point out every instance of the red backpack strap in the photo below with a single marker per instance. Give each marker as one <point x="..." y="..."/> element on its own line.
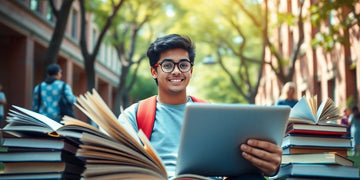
<point x="145" y="115"/>
<point x="197" y="100"/>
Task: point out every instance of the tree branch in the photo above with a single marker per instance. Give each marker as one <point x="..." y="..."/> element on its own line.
<point x="53" y="9"/>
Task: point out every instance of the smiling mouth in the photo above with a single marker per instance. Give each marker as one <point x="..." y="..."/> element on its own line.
<point x="175" y="80"/>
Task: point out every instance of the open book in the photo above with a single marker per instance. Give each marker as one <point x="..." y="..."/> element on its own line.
<point x="306" y="110"/>
<point x="115" y="152"/>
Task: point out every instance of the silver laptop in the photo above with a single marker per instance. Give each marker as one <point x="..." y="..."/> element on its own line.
<point x="212" y="134"/>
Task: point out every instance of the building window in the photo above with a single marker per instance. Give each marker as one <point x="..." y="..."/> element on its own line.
<point x="106" y="54"/>
<point x="49" y="13"/>
<point x="93" y="39"/>
<point x="318" y="91"/>
<point x="331" y="88"/>
<point x="35" y="5"/>
<point x="350" y="84"/>
<point x="73" y="24"/>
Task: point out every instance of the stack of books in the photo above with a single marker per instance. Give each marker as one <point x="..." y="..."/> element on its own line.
<point x="41" y="148"/>
<point x="27" y="152"/>
<point x="313" y="147"/>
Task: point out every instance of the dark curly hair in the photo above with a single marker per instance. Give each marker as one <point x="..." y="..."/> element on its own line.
<point x="171" y="41"/>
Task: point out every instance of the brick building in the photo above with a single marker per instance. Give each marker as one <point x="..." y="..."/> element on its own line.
<point x="333" y="74"/>
<point x="26" y="27"/>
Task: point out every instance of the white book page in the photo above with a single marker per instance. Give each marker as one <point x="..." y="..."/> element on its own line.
<point x="302" y="110"/>
<point x="51" y="123"/>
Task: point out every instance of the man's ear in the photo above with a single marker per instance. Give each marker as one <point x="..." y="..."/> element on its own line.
<point x="58" y="75"/>
<point x="154" y="73"/>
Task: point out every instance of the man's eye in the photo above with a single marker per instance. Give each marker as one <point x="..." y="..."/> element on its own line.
<point x="167" y="65"/>
<point x="183" y="65"/>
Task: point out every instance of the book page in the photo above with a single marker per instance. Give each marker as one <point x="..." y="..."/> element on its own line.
<point x="120" y="172"/>
<point x="302" y="110"/>
<point x="312" y="103"/>
<point x="44" y="119"/>
<point x="328" y="111"/>
<point x="76" y="126"/>
<point x="96" y="109"/>
<point x="93" y="107"/>
<point x="18" y="118"/>
<point x="103" y="149"/>
<point x="150" y="149"/>
<point x="98" y="155"/>
<point x="190" y="177"/>
<point x="127" y="125"/>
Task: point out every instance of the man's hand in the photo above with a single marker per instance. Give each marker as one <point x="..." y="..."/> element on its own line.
<point x="263" y="154"/>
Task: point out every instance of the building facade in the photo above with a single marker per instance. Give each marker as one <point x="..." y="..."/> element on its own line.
<point x="334" y="74"/>
<point x="26" y="27"/>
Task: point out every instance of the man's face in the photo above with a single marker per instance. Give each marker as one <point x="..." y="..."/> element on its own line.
<point x="176" y="81"/>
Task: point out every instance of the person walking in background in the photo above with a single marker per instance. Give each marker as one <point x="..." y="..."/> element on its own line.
<point x="2" y="103"/>
<point x="355" y="129"/>
<point x="345" y="121"/>
<point x="47" y="94"/>
<point x="288" y="95"/>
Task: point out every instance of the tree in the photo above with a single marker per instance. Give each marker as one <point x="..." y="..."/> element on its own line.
<point x="59" y="30"/>
<point x="258" y="13"/>
<point x="323" y="12"/>
<point x="89" y="58"/>
<point x="282" y="62"/>
<point x="126" y="38"/>
<point x="337" y="21"/>
<point x="231" y="38"/>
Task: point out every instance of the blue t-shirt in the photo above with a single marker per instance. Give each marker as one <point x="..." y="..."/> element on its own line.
<point x="165" y="137"/>
<point x="290" y="103"/>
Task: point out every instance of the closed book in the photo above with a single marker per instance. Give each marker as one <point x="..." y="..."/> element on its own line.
<point x="39" y="167"/>
<point x="311" y="149"/>
<point x="316" y="141"/>
<point x="318" y="171"/>
<point x="317" y="158"/>
<point x="39" y="156"/>
<point x="41" y="143"/>
<point x="321" y="129"/>
<point x="37" y="176"/>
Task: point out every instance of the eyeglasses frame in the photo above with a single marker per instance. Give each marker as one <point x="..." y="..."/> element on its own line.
<point x="175" y="64"/>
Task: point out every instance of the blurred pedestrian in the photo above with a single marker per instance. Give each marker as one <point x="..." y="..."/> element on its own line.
<point x="288" y="95"/>
<point x="2" y="103"/>
<point x="47" y="94"/>
<point x="355" y="129"/>
<point x="345" y="120"/>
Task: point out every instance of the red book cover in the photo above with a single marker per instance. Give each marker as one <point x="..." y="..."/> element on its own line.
<point x="318" y="129"/>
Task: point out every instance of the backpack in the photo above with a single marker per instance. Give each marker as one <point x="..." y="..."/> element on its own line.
<point x="145" y="115"/>
<point x="66" y="108"/>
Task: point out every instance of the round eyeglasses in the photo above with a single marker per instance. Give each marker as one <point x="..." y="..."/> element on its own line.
<point x="168" y="66"/>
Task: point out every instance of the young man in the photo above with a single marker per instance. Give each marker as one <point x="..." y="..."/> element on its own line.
<point x="51" y="90"/>
<point x="171" y="59"/>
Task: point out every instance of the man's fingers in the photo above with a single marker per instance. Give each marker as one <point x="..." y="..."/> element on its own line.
<point x="267" y="167"/>
<point x="264" y="155"/>
<point x="270" y="147"/>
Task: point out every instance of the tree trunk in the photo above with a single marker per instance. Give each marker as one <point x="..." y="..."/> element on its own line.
<point x="90" y="73"/>
<point x="89" y="59"/>
<point x="58" y="35"/>
<point x="121" y="89"/>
